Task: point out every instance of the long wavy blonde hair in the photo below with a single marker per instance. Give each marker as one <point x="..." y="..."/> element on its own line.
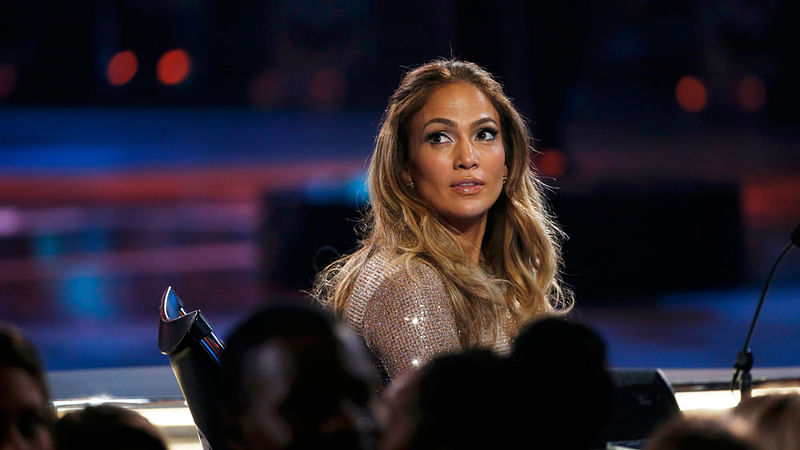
<point x="520" y="253"/>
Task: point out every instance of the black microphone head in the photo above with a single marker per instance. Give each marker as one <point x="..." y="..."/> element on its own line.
<point x="795" y="236"/>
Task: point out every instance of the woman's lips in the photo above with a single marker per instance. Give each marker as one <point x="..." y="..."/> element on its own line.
<point x="467" y="186"/>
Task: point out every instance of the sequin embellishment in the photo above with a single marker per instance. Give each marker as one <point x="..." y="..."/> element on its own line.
<point x="405" y="317"/>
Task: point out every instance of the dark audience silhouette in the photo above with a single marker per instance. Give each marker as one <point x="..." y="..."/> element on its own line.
<point x="106" y="427"/>
<point x="291" y="380"/>
<point x="26" y="416"/>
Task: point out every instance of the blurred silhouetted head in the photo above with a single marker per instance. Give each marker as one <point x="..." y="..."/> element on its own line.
<point x="459" y="402"/>
<point x="106" y="427"/>
<point x="772" y="420"/>
<point x="685" y="433"/>
<point x="26" y="416"/>
<point x="293" y="377"/>
<point x="559" y="380"/>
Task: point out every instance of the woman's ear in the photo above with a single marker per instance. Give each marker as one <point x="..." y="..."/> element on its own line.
<point x="407" y="177"/>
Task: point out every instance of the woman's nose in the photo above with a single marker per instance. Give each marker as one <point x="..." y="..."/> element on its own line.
<point x="466" y="158"/>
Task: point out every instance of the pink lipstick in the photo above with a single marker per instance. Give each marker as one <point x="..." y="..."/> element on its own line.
<point x="468" y="186"/>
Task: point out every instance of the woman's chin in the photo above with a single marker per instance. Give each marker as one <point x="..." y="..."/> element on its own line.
<point x="464" y="221"/>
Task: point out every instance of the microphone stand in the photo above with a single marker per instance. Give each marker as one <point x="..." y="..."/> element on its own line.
<point x="744" y="360"/>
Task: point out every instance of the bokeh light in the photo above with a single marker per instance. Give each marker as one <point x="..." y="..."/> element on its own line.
<point x="174" y="67"/>
<point x="328" y="86"/>
<point x="8" y="80"/>
<point x="751" y="93"/>
<point x="691" y="94"/>
<point x="551" y="162"/>
<point x="122" y="68"/>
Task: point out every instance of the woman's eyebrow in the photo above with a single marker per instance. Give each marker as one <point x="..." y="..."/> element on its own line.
<point x="482" y="121"/>
<point x="441" y="120"/>
<point x="451" y="123"/>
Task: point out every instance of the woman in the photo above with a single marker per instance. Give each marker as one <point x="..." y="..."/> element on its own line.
<point x="459" y="250"/>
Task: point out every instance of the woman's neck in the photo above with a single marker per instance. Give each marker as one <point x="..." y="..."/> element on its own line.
<point x="470" y="236"/>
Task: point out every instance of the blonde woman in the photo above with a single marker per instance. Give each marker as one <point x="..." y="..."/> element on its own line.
<point x="459" y="250"/>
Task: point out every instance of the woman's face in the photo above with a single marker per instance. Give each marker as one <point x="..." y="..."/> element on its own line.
<point x="457" y="154"/>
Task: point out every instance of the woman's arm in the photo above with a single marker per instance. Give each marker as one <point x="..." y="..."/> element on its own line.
<point x="409" y="320"/>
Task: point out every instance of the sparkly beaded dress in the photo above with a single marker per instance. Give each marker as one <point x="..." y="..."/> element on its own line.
<point x="405" y="316"/>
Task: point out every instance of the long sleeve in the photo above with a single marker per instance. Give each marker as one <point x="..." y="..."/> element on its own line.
<point x="408" y="320"/>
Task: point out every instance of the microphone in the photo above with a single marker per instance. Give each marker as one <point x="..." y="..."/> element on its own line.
<point x="744" y="360"/>
<point x="795" y="237"/>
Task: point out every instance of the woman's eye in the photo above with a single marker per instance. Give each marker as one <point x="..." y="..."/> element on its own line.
<point x="487" y="134"/>
<point x="437" y="137"/>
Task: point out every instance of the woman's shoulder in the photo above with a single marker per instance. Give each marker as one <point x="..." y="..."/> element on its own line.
<point x="394" y="276"/>
<point x="401" y="271"/>
<point x="406" y="318"/>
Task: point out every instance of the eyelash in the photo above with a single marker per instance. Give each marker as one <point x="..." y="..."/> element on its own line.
<point x="431" y="136"/>
<point x="491" y="131"/>
<point x="488" y="130"/>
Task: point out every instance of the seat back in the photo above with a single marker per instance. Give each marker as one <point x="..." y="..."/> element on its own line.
<point x="195" y="356"/>
<point x="643" y="400"/>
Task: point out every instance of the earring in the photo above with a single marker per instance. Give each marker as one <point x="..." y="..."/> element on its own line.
<point x="505" y="178"/>
<point x="411" y="185"/>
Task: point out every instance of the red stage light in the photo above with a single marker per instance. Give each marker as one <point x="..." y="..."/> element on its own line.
<point x="551" y="162"/>
<point x="691" y="94"/>
<point x="751" y="93"/>
<point x="122" y="68"/>
<point x="8" y="80"/>
<point x="174" y="67"/>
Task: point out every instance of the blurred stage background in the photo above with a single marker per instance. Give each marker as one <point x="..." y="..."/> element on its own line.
<point x="215" y="146"/>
